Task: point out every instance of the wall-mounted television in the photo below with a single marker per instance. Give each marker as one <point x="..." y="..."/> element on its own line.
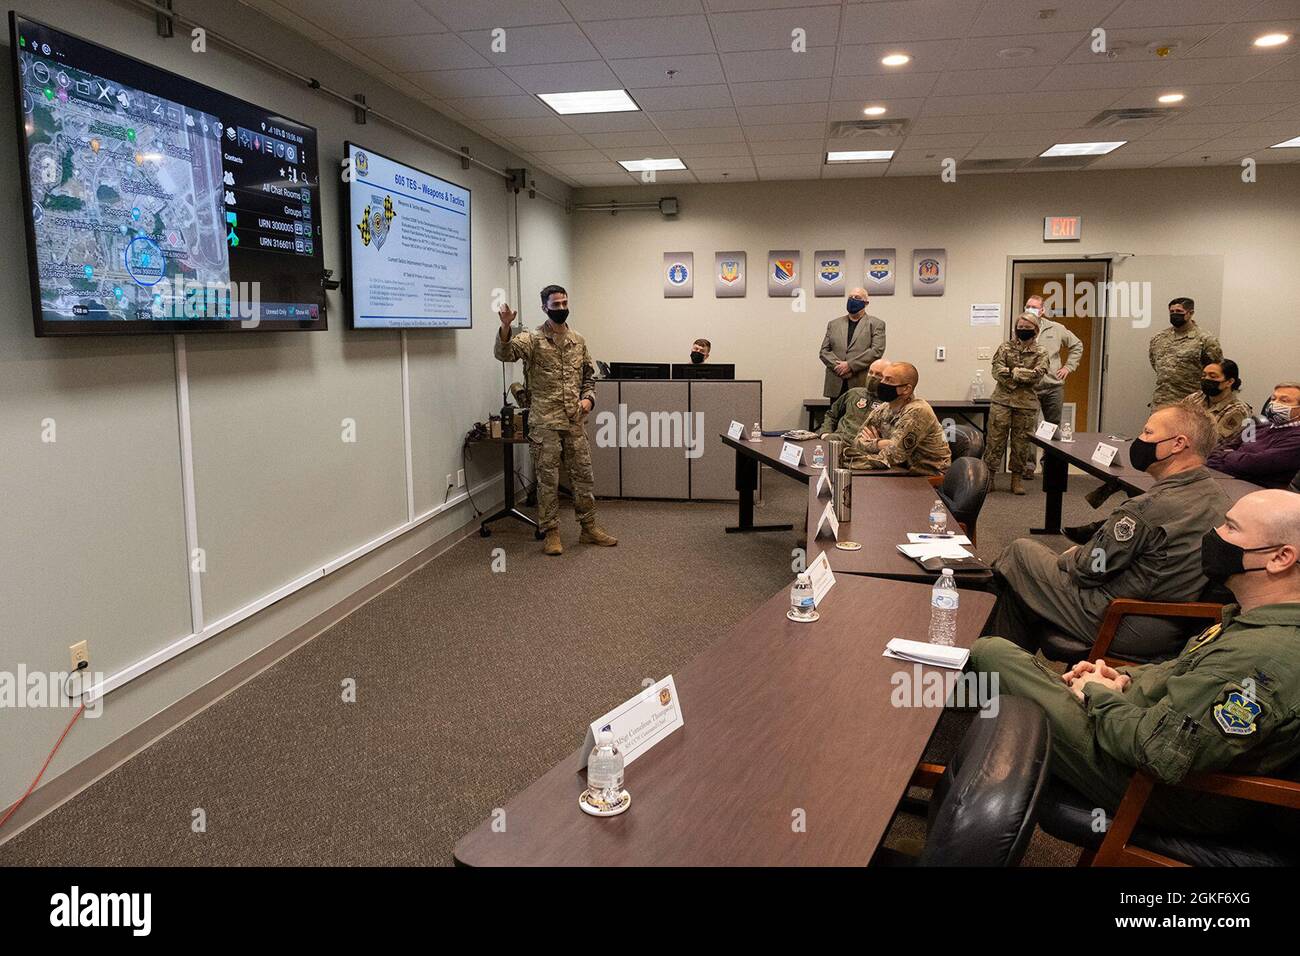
<point x="408" y="245"/>
<point x="156" y="204"/>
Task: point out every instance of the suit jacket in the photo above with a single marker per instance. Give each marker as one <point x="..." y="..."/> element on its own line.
<point x="868" y="345"/>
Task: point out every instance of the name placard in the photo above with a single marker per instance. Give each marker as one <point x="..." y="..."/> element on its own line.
<point x="1104" y="454"/>
<point x="640" y="723"/>
<point x="821" y="576"/>
<point x="791" y="454"/>
<point x="1046" y="430"/>
<point x="735" y="431"/>
<point x="824" y="484"/>
<point x="828" y="522"/>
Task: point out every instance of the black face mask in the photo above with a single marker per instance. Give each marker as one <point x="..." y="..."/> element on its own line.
<point x="1178" y="319"/>
<point x="1142" y="454"/>
<point x="1210" y="387"/>
<point x="886" y="392"/>
<point x="1221" y="559"/>
<point x="856" y="306"/>
<point x="558" y="316"/>
<point x="697" y="357"/>
<point x="1025" y="335"/>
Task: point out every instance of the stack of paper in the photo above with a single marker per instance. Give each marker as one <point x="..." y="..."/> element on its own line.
<point x="934" y="549"/>
<point x="922" y="538"/>
<point x="934" y="655"/>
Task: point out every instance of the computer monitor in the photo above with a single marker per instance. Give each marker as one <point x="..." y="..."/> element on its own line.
<point x="717" y="370"/>
<point x="638" y="369"/>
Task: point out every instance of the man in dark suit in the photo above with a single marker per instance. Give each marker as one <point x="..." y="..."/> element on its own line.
<point x="853" y="341"/>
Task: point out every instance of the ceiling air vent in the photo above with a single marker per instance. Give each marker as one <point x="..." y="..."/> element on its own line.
<point x="1059" y="162"/>
<point x="849" y="129"/>
<point x="1129" y="117"/>
<point x="989" y="165"/>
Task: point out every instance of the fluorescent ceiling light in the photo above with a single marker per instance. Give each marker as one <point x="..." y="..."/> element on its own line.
<point x="642" y="165"/>
<point x="860" y="156"/>
<point x="874" y="111"/>
<point x="896" y="59"/>
<point x="1082" y="149"/>
<point x="1272" y="39"/>
<point x="590" y="101"/>
<point x="1171" y="98"/>
<point x="1292" y="143"/>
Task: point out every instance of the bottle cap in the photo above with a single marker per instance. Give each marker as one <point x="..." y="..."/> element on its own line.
<point x="947" y="570"/>
<point x="605" y="738"/>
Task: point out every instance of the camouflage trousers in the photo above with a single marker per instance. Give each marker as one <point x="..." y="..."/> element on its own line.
<point x="552" y="446"/>
<point x="1015" y="424"/>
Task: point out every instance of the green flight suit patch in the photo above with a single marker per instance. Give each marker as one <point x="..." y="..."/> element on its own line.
<point x="1236" y="715"/>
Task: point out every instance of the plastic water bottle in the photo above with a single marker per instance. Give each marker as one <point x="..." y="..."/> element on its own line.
<point x="819" y="457"/>
<point x="938" y="517"/>
<point x="756" y="433"/>
<point x="801" y="597"/>
<point x="977" y="385"/>
<point x="944" y="599"/>
<point x="605" y="769"/>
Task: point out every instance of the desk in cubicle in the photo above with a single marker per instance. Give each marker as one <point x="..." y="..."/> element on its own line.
<point x="650" y="470"/>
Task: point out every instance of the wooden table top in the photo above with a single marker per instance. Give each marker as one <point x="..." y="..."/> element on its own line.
<point x="883" y="514"/>
<point x="779" y="717"/>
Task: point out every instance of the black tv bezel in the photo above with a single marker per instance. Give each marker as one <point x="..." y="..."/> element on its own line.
<point x="97" y="327"/>
<point x="345" y="223"/>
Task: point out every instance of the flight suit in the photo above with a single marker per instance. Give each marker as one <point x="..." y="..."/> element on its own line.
<point x="1230" y="701"/>
<point x="560" y="375"/>
<point x="917" y="441"/>
<point x="848" y="413"/>
<point x="1228" y="410"/>
<point x="1018" y="367"/>
<point x="1178" y="357"/>
<point x="1149" y="548"/>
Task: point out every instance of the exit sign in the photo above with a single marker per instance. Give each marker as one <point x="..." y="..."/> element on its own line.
<point x="1062" y="228"/>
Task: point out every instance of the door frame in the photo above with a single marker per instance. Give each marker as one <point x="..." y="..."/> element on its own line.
<point x="1097" y="362"/>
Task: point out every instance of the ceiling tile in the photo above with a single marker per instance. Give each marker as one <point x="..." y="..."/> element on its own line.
<point x="863" y="59"/>
<point x="903" y="20"/>
<point x="501" y="107"/>
<point x="780" y="93"/>
<point x="1009" y="80"/>
<point x="622" y="9"/>
<point x="652" y="36"/>
<point x="883" y="87"/>
<point x="774" y="29"/>
<point x="608" y="122"/>
<point x="683" y="97"/>
<point x="792" y="147"/>
<point x="454" y="84"/>
<point x="525" y="46"/>
<point x="694" y="119"/>
<point x="563" y="77"/>
<point x="778" y="65"/>
<point x="642" y="139"/>
<point x="394" y="18"/>
<point x="700" y="69"/>
<point x="419" y="53"/>
<point x="999" y="17"/>
<point x="488" y="14"/>
<point x="711" y="150"/>
<point x="705" y="134"/>
<point x="726" y="175"/>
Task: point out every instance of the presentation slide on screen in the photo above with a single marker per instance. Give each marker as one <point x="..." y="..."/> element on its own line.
<point x="409" y="247"/>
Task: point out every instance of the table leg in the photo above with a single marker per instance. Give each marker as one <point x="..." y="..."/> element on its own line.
<point x="508" y="509"/>
<point x="1056" y="479"/>
<point x="747" y="484"/>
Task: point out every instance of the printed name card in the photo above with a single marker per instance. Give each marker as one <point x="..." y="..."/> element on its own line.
<point x="640" y="723"/>
<point x="828" y="522"/>
<point x="1105" y="454"/>
<point x="735" y="431"/>
<point x="1046" y="431"/>
<point x="824" y="484"/>
<point x="791" y="454"/>
<point x="821" y="576"/>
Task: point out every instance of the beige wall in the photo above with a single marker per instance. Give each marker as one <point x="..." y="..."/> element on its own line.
<point x="981" y="219"/>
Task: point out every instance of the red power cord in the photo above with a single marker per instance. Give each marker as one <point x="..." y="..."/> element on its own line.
<point x="14" y="809"/>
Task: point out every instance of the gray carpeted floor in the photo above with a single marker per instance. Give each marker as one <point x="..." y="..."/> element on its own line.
<point x="470" y="684"/>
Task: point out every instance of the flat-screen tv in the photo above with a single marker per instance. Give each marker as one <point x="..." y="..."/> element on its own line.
<point x="408" y="245"/>
<point x="156" y="204"/>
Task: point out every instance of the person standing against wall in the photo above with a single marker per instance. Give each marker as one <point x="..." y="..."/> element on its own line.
<point x="1052" y="336"/>
<point x="852" y="342"/>
<point x="1179" y="353"/>
<point x="1018" y="366"/>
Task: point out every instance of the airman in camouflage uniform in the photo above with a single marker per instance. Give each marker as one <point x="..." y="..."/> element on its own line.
<point x="1179" y="353"/>
<point x="902" y="431"/>
<point x="1229" y="701"/>
<point x="1219" y="397"/>
<point x="848" y="413"/>
<point x="1018" y="366"/>
<point x="562" y="390"/>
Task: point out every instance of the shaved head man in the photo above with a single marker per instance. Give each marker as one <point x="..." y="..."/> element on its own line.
<point x="848" y="413"/>
<point x="1226" y="702"/>
<point x="852" y="342"/>
<point x="902" y="432"/>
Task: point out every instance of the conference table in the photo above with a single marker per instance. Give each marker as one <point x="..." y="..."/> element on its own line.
<point x="963" y="408"/>
<point x="767" y="451"/>
<point x="782" y="721"/>
<point x="883" y="512"/>
<point x="1059" y="456"/>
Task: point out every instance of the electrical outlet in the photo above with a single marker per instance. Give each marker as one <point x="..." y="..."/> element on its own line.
<point x="460" y="477"/>
<point x="80" y="654"/>
<point x="940" y="353"/>
<point x="984" y="352"/>
<point x="450" y="483"/>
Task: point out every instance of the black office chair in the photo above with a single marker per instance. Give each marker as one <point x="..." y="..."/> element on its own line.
<point x="964" y="487"/>
<point x="1295" y="483"/>
<point x="986" y="800"/>
<point x="1139" y="632"/>
<point x="967" y="442"/>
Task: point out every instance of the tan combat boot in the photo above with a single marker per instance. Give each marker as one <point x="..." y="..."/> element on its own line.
<point x="552" y="544"/>
<point x="595" y="534"/>
<point x="1016" y="488"/>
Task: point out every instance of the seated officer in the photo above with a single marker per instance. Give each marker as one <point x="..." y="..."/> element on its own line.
<point x="1269" y="453"/>
<point x="1227" y="702"/>
<point x="902" y="431"/>
<point x="1148" y="548"/>
<point x="845" y="417"/>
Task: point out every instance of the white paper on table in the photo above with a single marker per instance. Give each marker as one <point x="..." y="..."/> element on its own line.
<point x="791" y="453"/>
<point x="932" y="655"/>
<point x="935" y="549"/>
<point x="1046" y="430"/>
<point x="916" y="537"/>
<point x="1104" y="454"/>
<point x="735" y="431"/>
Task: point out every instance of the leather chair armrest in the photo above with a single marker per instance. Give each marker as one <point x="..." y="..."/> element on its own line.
<point x="1121" y="608"/>
<point x="1281" y="793"/>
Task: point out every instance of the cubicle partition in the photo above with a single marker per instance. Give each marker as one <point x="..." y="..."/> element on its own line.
<point x="655" y="423"/>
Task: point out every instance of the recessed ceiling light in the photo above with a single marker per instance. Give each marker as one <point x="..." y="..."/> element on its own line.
<point x="896" y="59"/>
<point x="1292" y="143"/>
<point x="590" y="101"/>
<point x="859" y="156"/>
<point x="874" y="111"/>
<point x="1082" y="149"/>
<point x="1171" y="98"/>
<point x="643" y="165"/>
<point x="1272" y="39"/>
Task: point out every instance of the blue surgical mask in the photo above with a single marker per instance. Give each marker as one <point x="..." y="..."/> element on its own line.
<point x="856" y="305"/>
